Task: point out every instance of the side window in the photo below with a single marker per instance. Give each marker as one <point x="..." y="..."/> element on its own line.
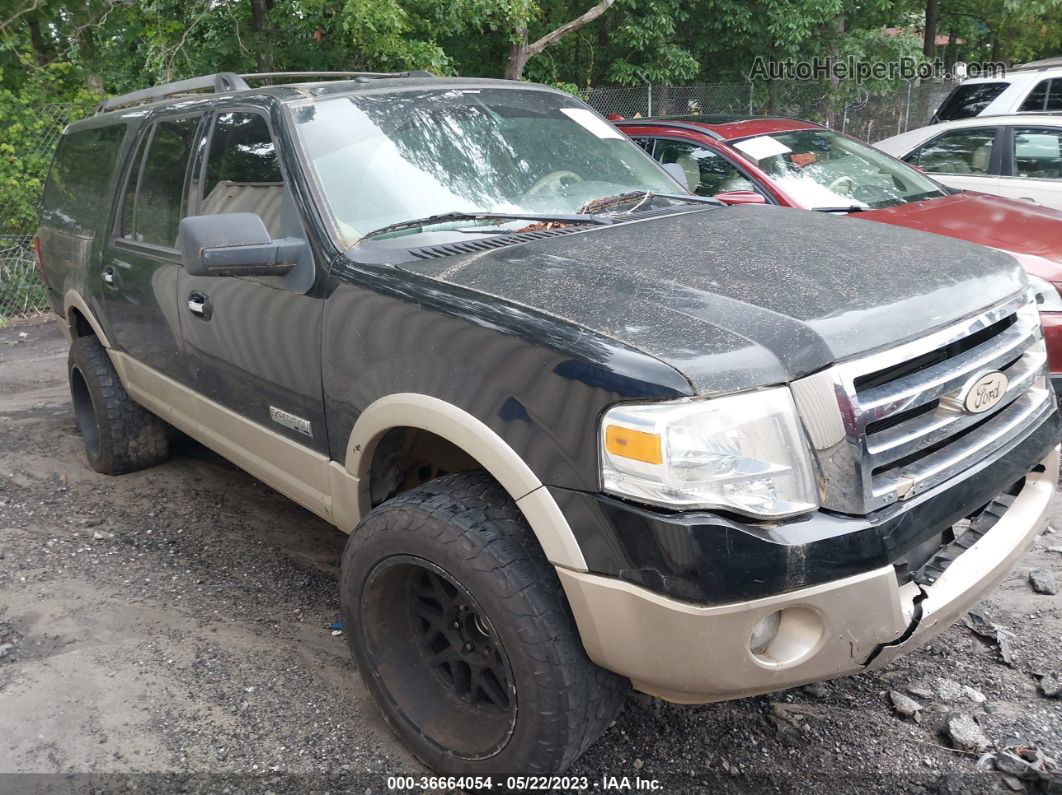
<point x="958" y="152"/>
<point x="708" y="173"/>
<point x="1054" y="96"/>
<point x="1037" y="99"/>
<point x="242" y="171"/>
<point x="155" y="195"/>
<point x="78" y="180"/>
<point x="1037" y="153"/>
<point x="646" y="144"/>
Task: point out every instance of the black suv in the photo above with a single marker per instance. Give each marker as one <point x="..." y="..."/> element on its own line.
<point x="585" y="430"/>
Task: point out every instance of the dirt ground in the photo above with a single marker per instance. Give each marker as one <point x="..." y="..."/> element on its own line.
<point x="170" y="630"/>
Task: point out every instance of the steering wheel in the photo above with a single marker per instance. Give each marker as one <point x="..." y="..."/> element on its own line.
<point x="842" y="180"/>
<point x="549" y="179"/>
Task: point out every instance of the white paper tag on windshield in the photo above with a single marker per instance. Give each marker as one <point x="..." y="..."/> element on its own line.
<point x="762" y="147"/>
<point x="598" y="127"/>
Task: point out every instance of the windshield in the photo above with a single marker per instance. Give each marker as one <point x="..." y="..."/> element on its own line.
<point x="386" y="158"/>
<point x="968" y="100"/>
<point x="820" y="168"/>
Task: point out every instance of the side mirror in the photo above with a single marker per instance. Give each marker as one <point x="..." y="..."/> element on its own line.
<point x="740" y="197"/>
<point x="234" y="244"/>
<point x="678" y="173"/>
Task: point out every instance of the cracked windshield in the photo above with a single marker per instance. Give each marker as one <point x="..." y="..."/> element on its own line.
<point x="389" y="158"/>
<point x="820" y="168"/>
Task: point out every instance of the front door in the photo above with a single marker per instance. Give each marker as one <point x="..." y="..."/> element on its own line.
<point x="254" y="344"/>
<point x="141" y="262"/>
<point x="966" y="159"/>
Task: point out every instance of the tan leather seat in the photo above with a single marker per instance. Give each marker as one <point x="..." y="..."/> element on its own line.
<point x="693" y="171"/>
<point x="982" y="158"/>
<point x="263" y="198"/>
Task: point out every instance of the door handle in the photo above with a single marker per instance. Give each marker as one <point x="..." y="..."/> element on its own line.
<point x="199" y="304"/>
<point x="108" y="275"/>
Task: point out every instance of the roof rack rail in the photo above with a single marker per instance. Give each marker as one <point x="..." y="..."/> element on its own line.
<point x="230" y="81"/>
<point x="347" y="75"/>
<point x="1038" y="66"/>
<point x="222" y="81"/>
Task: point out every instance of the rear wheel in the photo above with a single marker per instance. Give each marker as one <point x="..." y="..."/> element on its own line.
<point x="459" y="627"/>
<point x="120" y="435"/>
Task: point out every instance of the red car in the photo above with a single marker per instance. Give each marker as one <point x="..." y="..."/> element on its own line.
<point x="800" y="164"/>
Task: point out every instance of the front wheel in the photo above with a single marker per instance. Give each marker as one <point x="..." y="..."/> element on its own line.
<point x="459" y="628"/>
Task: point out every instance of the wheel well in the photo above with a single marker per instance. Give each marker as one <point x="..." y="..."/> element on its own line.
<point x="405" y="458"/>
<point x="79" y="325"/>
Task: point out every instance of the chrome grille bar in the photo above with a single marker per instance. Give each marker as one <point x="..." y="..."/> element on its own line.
<point x="927" y="429"/>
<point x="899" y="436"/>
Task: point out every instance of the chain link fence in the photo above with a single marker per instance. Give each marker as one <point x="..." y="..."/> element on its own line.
<point x="22" y="294"/>
<point x="21" y="291"/>
<point x="848" y="108"/>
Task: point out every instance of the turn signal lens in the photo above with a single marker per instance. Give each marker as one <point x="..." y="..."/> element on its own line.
<point x="636" y="445"/>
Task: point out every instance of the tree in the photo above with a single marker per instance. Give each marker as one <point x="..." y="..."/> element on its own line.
<point x="929" y="36"/>
<point x="521" y="50"/>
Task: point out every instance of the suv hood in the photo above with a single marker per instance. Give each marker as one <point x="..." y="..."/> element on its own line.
<point x="1030" y="232"/>
<point x="743" y="297"/>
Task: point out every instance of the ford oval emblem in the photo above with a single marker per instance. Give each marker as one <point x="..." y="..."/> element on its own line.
<point x="985" y="392"/>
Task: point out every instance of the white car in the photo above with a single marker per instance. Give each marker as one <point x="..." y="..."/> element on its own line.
<point x="1031" y="88"/>
<point x="1017" y="156"/>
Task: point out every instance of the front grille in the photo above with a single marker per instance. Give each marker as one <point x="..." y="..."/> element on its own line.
<point x="892" y="425"/>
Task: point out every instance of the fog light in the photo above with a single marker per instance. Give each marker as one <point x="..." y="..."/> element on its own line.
<point x="764" y="632"/>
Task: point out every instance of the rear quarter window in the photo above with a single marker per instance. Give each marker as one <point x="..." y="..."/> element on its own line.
<point x="76" y="193"/>
<point x="969" y="100"/>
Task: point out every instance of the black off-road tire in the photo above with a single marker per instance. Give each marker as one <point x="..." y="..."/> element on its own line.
<point x="120" y="435"/>
<point x="466" y="528"/>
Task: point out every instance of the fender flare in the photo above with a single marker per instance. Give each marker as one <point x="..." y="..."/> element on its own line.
<point x="475" y="438"/>
<point x="73" y="300"/>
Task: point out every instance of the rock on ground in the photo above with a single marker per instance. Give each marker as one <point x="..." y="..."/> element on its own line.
<point x="965" y="732"/>
<point x="1043" y="581"/>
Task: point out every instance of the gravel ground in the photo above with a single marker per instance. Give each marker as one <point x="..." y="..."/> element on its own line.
<point x="169" y="630"/>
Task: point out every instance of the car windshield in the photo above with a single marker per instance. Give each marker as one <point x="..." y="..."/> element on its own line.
<point x="821" y="169"/>
<point x="968" y="100"/>
<point x="387" y="158"/>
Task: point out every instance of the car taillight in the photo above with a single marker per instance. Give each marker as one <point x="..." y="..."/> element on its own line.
<point x="40" y="260"/>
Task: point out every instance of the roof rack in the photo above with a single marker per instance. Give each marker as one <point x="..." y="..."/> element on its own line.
<point x="230" y="81"/>
<point x="1038" y="66"/>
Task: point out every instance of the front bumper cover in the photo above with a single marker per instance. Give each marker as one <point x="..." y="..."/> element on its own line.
<point x="692" y="653"/>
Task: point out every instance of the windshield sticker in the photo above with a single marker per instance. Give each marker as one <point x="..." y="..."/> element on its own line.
<point x="763" y="147"/>
<point x="599" y="127"/>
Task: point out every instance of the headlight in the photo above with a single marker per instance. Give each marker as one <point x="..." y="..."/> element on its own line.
<point x="744" y="453"/>
<point x="1047" y="297"/>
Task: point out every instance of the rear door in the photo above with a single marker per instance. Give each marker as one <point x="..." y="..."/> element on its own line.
<point x="966" y="159"/>
<point x="1033" y="166"/>
<point x="254" y="344"/>
<point x="141" y="263"/>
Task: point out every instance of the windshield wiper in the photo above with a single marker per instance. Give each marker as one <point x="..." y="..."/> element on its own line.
<point x="855" y="208"/>
<point x="641" y="197"/>
<point x="442" y="218"/>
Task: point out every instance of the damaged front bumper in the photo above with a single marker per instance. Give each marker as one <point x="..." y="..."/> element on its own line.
<point x="690" y="653"/>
